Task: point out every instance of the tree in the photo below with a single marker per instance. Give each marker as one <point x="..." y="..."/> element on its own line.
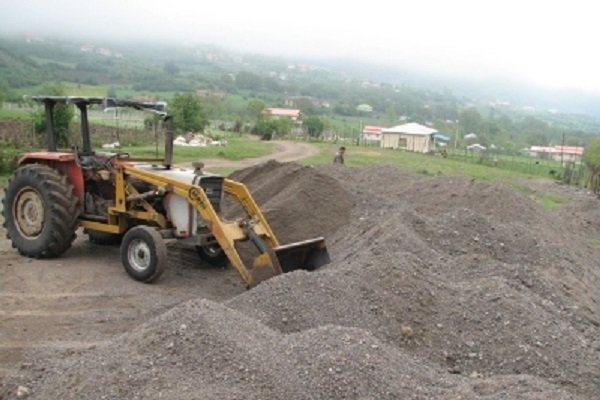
<point x="314" y="126"/>
<point x="470" y="121"/>
<point x="1" y="97"/>
<point x="248" y="80"/>
<point x="267" y="127"/>
<point x="111" y="92"/>
<point x="391" y="116"/>
<point x="62" y="115"/>
<point x="255" y="108"/>
<point x="591" y="159"/>
<point x="188" y="114"/>
<point x="171" y="68"/>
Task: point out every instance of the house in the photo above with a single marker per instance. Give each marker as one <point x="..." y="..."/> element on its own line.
<point x="477" y="148"/>
<point x="365" y="108"/>
<point x="557" y="153"/>
<point x="568" y="153"/>
<point x="411" y="136"/>
<point x="293" y="114"/>
<point x="210" y="93"/>
<point x="372" y="132"/>
<point x="440" y="140"/>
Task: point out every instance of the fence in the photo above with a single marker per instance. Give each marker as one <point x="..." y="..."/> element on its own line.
<point x="515" y="162"/>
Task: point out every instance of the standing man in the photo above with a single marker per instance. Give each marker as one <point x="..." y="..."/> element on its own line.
<point x="339" y="156"/>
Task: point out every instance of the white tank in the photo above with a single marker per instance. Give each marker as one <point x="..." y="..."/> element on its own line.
<point x="183" y="216"/>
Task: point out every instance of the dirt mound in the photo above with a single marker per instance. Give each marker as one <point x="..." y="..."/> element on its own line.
<point x="299" y="202"/>
<point x="201" y="349"/>
<point x="439" y="288"/>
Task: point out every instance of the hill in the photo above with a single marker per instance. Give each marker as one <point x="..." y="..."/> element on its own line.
<point x="227" y="80"/>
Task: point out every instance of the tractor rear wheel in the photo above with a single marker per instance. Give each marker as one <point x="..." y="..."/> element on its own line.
<point x="40" y="211"/>
<point x="144" y="254"/>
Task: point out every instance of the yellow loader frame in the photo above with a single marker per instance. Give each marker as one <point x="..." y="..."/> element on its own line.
<point x="273" y="259"/>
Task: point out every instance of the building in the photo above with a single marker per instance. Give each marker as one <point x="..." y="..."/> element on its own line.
<point x="365" y="108"/>
<point x="372" y="132"/>
<point x="411" y="136"/>
<point x="293" y="114"/>
<point x="557" y="153"/>
<point x="210" y="93"/>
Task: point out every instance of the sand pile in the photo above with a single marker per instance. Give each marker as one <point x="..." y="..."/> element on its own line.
<point x="439" y="288"/>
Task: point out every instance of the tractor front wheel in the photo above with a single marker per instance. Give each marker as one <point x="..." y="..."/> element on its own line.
<point x="144" y="254"/>
<point x="40" y="211"/>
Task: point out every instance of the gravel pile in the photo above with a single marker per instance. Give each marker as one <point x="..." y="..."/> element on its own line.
<point x="443" y="288"/>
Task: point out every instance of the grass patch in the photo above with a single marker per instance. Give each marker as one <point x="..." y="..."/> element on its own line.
<point x="16" y="114"/>
<point x="236" y="149"/>
<point x="547" y="201"/>
<point x="419" y="163"/>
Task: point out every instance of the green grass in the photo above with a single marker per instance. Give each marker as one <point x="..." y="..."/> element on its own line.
<point x="415" y="162"/>
<point x="17" y="114"/>
<point x="547" y="201"/>
<point x="236" y="149"/>
<point x="46" y="61"/>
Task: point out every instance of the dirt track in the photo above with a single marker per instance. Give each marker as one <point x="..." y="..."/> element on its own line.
<point x="283" y="151"/>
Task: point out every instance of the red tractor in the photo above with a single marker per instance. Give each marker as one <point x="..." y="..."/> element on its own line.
<point x="139" y="203"/>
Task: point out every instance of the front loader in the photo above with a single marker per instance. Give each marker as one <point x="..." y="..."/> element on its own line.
<point x="139" y="202"/>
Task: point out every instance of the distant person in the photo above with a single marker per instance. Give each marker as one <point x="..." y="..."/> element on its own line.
<point x="339" y="156"/>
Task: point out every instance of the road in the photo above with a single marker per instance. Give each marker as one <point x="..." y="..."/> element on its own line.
<point x="283" y="151"/>
<point x="85" y="297"/>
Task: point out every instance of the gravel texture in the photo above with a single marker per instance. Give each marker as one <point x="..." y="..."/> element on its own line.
<point x="441" y="288"/>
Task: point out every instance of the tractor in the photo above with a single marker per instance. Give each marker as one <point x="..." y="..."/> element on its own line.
<point x="140" y="203"/>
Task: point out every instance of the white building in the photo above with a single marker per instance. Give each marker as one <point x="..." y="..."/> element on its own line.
<point x="411" y="136"/>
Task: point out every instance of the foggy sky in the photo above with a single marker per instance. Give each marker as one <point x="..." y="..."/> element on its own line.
<point x="552" y="43"/>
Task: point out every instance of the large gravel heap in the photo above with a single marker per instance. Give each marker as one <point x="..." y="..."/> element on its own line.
<point x="444" y="288"/>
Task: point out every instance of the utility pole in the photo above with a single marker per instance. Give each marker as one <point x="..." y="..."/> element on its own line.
<point x="562" y="150"/>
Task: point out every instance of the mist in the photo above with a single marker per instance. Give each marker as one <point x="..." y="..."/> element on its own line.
<point x="534" y="42"/>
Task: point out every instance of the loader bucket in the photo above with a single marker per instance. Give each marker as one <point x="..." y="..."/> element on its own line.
<point x="308" y="254"/>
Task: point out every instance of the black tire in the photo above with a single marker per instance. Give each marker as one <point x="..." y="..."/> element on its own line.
<point x="103" y="238"/>
<point x="144" y="254"/>
<point x="213" y="254"/>
<point x="40" y="211"/>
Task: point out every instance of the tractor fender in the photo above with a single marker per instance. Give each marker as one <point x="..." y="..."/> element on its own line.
<point x="66" y="163"/>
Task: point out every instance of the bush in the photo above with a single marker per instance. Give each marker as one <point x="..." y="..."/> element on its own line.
<point x="8" y="160"/>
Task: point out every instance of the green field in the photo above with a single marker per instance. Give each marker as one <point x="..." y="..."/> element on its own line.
<point x="237" y="148"/>
<point x="17" y="114"/>
<point x="420" y="163"/>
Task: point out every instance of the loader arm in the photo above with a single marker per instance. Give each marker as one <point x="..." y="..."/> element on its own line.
<point x="254" y="228"/>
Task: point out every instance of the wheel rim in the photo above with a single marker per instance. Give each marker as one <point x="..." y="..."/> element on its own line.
<point x="139" y="255"/>
<point x="29" y="213"/>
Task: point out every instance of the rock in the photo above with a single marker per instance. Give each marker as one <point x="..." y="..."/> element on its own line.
<point x="407" y="331"/>
<point x="22" y="392"/>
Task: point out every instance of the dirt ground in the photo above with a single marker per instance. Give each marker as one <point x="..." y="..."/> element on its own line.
<point x="445" y="288"/>
<point x="85" y="297"/>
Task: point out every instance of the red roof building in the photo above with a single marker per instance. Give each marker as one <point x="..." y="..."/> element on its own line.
<point x="372" y="132"/>
<point x="292" y="114"/>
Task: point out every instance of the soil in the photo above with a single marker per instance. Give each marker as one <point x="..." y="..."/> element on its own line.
<point x="443" y="288"/>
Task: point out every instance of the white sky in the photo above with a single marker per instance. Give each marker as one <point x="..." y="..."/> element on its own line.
<point x="553" y="43"/>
